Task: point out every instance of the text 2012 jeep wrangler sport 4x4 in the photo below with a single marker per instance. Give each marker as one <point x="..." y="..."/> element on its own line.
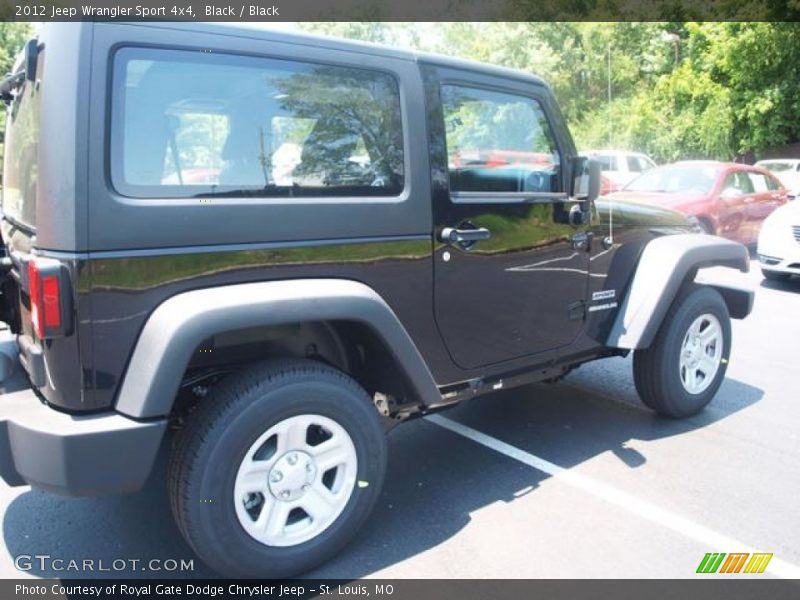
<point x="283" y="246"/>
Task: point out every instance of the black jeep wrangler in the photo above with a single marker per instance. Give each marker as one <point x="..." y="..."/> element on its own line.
<point x="281" y="246"/>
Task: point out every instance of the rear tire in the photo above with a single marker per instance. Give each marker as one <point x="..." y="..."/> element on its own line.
<point x="277" y="470"/>
<point x="681" y="371"/>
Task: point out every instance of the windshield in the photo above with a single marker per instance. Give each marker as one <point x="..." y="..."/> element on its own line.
<point x="678" y="179"/>
<point x="776" y="167"/>
<point x="20" y="164"/>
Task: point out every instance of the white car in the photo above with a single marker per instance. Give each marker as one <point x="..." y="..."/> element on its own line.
<point x="785" y="169"/>
<point x="779" y="243"/>
<point x="619" y="167"/>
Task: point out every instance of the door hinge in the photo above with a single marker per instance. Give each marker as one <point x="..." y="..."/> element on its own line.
<point x="583" y="241"/>
<point x="576" y="311"/>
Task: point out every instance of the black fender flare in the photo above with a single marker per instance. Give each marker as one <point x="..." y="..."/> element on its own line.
<point x="661" y="270"/>
<point x="180" y="323"/>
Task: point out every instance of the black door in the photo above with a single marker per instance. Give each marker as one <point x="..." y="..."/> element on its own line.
<point x="511" y="273"/>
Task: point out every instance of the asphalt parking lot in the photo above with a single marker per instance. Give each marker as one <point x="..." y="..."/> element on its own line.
<point x="568" y="480"/>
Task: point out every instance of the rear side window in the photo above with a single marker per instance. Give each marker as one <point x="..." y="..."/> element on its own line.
<point x="634" y="165"/>
<point x="638" y="164"/>
<point x="739" y="181"/>
<point x="498" y="142"/>
<point x="191" y="124"/>
<point x="772" y="183"/>
<point x="607" y="162"/>
<point x="20" y="161"/>
<point x="759" y="182"/>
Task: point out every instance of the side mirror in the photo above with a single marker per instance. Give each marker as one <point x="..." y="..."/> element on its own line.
<point x="585" y="181"/>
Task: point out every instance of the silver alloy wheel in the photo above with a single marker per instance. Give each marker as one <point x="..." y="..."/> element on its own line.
<point x="295" y="480"/>
<point x="701" y="353"/>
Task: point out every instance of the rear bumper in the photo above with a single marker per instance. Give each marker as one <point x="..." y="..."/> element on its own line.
<point x="69" y="454"/>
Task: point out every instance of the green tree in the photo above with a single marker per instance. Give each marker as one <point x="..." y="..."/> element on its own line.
<point x="678" y="89"/>
<point x="12" y="38"/>
<point x="394" y="33"/>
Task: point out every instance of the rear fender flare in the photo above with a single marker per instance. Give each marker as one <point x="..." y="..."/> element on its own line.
<point x="179" y="324"/>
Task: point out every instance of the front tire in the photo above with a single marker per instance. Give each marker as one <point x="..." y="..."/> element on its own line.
<point x="681" y="371"/>
<point x="275" y="472"/>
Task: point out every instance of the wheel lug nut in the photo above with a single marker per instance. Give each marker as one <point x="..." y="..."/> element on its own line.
<point x="306" y="487"/>
<point x="291" y="459"/>
<point x="285" y="494"/>
<point x="276" y="476"/>
<point x="308" y="467"/>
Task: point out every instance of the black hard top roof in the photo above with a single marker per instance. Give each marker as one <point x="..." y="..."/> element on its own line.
<point x="250" y="30"/>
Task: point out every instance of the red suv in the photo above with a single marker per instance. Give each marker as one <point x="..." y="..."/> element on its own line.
<point x="728" y="199"/>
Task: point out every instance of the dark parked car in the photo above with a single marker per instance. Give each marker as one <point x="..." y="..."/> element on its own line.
<point x="266" y="250"/>
<point x="727" y="199"/>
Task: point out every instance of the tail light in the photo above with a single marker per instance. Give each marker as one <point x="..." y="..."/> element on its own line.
<point x="48" y="288"/>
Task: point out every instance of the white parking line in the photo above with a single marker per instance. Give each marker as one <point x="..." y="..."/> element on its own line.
<point x="714" y="541"/>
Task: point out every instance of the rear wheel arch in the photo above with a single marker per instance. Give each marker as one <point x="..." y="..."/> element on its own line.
<point x="317" y="340"/>
<point x="354" y="348"/>
<point x="365" y="333"/>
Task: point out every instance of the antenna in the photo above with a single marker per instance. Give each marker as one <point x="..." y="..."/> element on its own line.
<point x="610" y="145"/>
<point x="610" y="126"/>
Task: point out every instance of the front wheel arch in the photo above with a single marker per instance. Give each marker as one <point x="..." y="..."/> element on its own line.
<point x="666" y="265"/>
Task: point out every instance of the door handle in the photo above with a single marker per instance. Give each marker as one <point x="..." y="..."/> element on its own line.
<point x="451" y="235"/>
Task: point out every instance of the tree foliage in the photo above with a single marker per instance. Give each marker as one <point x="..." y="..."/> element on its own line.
<point x="677" y="89"/>
<point x="12" y="38"/>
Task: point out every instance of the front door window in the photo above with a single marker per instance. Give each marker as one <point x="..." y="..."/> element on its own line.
<point x="498" y="143"/>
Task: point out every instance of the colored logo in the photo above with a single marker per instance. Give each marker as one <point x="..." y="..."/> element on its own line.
<point x="741" y="562"/>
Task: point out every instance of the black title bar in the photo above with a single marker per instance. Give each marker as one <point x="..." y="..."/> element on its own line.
<point x="399" y="10"/>
<point x="407" y="589"/>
